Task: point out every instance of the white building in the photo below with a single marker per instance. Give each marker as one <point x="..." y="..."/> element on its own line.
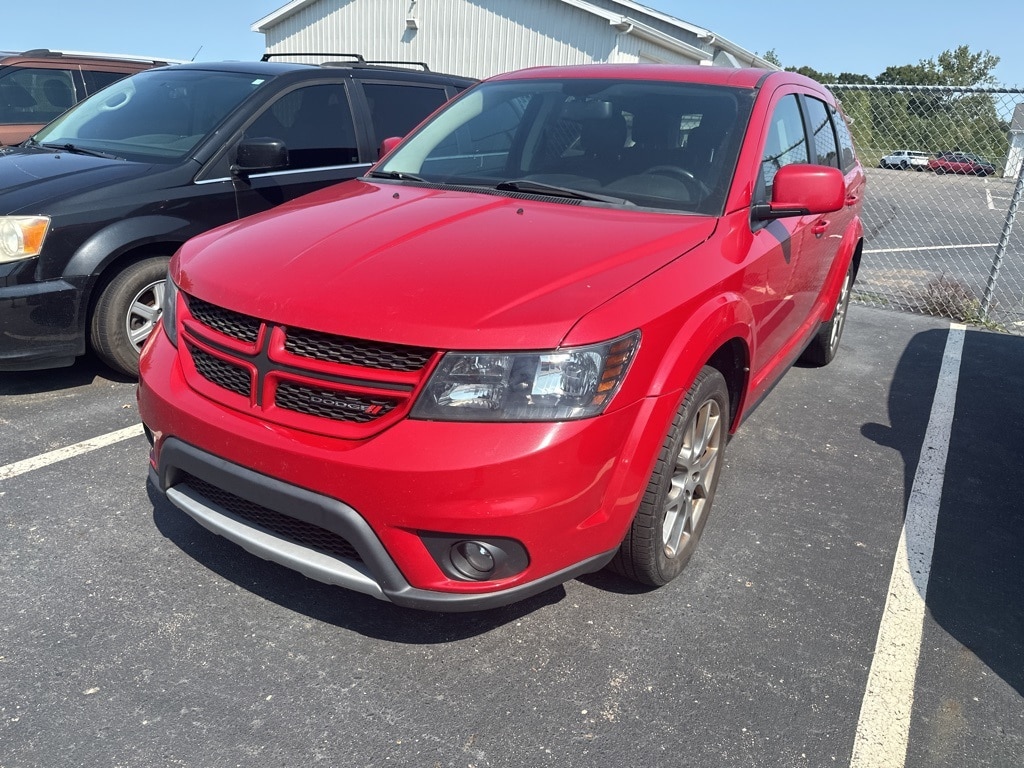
<point x="479" y="38"/>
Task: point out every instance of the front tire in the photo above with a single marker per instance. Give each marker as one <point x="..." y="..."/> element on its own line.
<point x="677" y="501"/>
<point x="127" y="312"/>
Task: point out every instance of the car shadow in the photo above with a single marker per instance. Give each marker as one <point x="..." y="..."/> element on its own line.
<point x="330" y="604"/>
<point x="977" y="567"/>
<point x="85" y="371"/>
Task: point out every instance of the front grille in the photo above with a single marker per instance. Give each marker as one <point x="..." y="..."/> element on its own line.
<point x="330" y="404"/>
<point x="222" y="373"/>
<point x="233" y="324"/>
<point x="353" y="387"/>
<point x="296" y="531"/>
<point x="339" y="349"/>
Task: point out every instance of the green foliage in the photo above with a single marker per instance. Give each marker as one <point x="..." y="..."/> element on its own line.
<point x="929" y="120"/>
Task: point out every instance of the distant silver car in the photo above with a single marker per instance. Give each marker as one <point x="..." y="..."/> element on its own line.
<point x="904" y="159"/>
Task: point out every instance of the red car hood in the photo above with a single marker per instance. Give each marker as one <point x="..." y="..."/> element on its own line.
<point x="438" y="268"/>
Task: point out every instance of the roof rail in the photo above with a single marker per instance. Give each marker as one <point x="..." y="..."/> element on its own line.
<point x="119" y="56"/>
<point x="401" y="63"/>
<point x="358" y="57"/>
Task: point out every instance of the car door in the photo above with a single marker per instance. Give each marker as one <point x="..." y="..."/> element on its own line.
<point x="823" y="233"/>
<point x="772" y="265"/>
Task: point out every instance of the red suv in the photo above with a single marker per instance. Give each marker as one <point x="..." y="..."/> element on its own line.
<point x="512" y="352"/>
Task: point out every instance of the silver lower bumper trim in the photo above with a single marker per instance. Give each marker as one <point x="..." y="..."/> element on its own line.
<point x="267" y="546"/>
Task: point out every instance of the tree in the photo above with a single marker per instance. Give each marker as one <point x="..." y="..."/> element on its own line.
<point x="959" y="67"/>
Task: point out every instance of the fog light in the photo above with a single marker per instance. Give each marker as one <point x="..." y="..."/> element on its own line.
<point x="473" y="559"/>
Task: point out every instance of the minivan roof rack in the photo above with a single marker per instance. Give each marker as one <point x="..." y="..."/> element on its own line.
<point x="94" y="54"/>
<point x="359" y="61"/>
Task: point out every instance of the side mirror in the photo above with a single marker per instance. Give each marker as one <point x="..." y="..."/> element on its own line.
<point x="260" y="155"/>
<point x="387" y="145"/>
<point x="801" y="190"/>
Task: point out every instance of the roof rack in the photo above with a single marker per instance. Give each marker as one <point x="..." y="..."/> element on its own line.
<point x="358" y="57"/>
<point x="46" y="52"/>
<point x="359" y="60"/>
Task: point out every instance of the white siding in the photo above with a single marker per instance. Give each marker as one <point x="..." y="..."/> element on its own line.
<point x="477" y="38"/>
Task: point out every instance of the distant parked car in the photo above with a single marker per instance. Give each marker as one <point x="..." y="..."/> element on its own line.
<point x="961" y="162"/>
<point x="93" y="206"/>
<point x="904" y="159"/>
<point x="38" y="85"/>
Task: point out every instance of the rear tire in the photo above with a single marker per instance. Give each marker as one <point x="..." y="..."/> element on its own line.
<point x="127" y="312"/>
<point x="825" y="344"/>
<point x="676" y="504"/>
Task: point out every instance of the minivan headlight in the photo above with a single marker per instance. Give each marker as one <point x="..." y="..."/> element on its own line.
<point x="21" y="237"/>
<point x="557" y="385"/>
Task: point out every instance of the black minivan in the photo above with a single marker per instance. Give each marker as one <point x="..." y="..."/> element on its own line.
<point x="93" y="206"/>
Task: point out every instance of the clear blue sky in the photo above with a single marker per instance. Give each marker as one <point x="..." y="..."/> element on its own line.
<point x="866" y="37"/>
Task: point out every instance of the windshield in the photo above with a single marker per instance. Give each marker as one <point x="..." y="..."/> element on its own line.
<point x="159" y="115"/>
<point x="667" y="146"/>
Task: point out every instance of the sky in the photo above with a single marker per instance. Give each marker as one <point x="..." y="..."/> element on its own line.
<point x="868" y="37"/>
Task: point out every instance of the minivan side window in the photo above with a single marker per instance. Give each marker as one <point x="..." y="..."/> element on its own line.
<point x="96" y="80"/>
<point x="315" y="123"/>
<point x="396" y="109"/>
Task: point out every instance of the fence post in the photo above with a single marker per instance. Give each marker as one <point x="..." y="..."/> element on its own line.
<point x="1004" y="240"/>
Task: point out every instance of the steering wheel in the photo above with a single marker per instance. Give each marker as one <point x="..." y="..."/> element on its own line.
<point x="679" y="174"/>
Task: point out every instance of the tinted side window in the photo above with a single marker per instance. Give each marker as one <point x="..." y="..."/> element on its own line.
<point x="846" y="153"/>
<point x="397" y="109"/>
<point x="96" y="81"/>
<point x="821" y="129"/>
<point x="786" y="142"/>
<point x="315" y="124"/>
<point x="29" y="95"/>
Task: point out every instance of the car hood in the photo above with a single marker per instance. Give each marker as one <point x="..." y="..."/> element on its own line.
<point x="431" y="267"/>
<point x="31" y="179"/>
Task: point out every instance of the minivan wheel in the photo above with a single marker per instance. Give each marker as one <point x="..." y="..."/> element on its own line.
<point x="677" y="501"/>
<point x="127" y="312"/>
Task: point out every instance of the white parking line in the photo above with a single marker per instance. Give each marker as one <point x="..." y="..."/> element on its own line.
<point x="45" y="459"/>
<point x="932" y="248"/>
<point x="883" y="729"/>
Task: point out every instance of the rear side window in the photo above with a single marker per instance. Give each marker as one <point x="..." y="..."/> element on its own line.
<point x="32" y="95"/>
<point x="97" y="81"/>
<point x="846" y="154"/>
<point x="786" y="142"/>
<point x="395" y="109"/>
<point x="821" y="131"/>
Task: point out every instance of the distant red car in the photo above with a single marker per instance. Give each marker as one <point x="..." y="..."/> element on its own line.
<point x="513" y="351"/>
<point x="960" y="162"/>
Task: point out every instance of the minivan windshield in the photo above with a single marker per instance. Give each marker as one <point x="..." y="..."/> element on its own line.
<point x="159" y="115"/>
<point x="659" y="145"/>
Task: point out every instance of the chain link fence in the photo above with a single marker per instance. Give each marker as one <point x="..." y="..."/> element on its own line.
<point x="945" y="170"/>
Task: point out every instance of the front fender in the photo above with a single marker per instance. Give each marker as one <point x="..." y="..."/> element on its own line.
<point x="108" y="244"/>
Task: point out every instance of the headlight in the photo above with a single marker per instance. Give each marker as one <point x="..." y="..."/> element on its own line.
<point x="21" y="237"/>
<point x="169" y="316"/>
<point x="572" y="383"/>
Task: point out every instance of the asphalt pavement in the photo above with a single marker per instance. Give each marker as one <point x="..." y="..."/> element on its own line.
<point x="130" y="636"/>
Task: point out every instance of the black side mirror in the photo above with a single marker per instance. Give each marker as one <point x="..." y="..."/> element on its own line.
<point x="260" y="155"/>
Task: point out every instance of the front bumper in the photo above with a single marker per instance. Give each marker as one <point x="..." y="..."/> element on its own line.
<point x="566" y="492"/>
<point x="39" y="326"/>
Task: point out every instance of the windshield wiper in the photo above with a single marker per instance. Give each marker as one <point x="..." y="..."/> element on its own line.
<point x="400" y="175"/>
<point x="76" y="150"/>
<point x="540" y="188"/>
